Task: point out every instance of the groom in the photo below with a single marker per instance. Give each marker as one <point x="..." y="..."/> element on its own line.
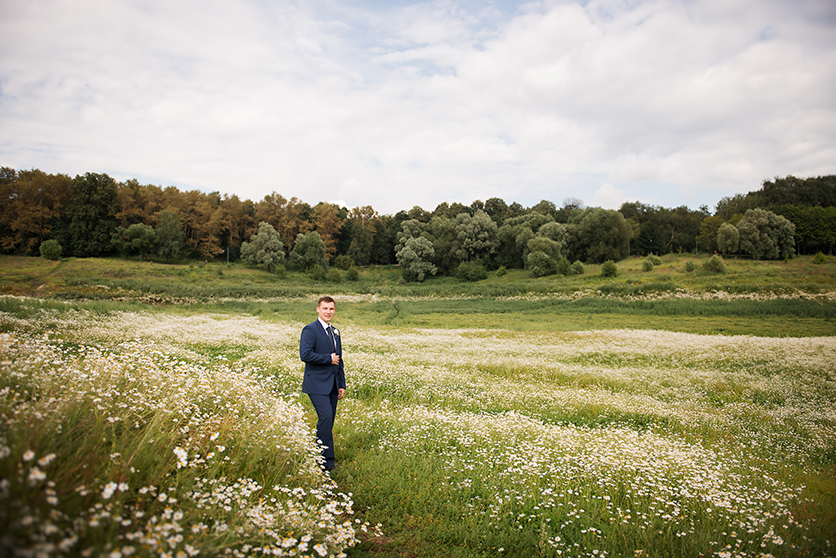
<point x="320" y="349"/>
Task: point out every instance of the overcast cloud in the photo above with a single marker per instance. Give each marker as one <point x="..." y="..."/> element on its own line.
<point x="396" y="104"/>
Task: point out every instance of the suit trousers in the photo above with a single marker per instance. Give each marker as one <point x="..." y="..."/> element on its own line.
<point x="326" y="410"/>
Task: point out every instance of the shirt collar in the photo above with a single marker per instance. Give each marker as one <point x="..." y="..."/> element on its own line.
<point x="324" y="325"/>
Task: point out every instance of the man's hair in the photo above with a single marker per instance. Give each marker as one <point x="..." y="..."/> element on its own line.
<point x="325" y="299"/>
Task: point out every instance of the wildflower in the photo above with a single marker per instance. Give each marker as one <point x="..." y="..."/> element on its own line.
<point x="28" y="455"/>
<point x="35" y="476"/>
<point x="182" y="456"/>
<point x="46" y="460"/>
<point x="109" y="489"/>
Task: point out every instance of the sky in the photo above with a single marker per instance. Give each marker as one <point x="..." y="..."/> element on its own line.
<point x="399" y="103"/>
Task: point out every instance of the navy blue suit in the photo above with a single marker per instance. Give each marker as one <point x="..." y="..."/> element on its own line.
<point x="322" y="381"/>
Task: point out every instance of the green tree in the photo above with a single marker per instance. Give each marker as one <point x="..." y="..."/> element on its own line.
<point x="708" y="233"/>
<point x="383" y="244"/>
<point x="597" y="235"/>
<point x="554" y="231"/>
<point x="649" y="240"/>
<point x="728" y="238"/>
<point x="92" y="214"/>
<point x="545" y="207"/>
<point x="819" y="191"/>
<point x="815" y="227"/>
<point x="441" y="231"/>
<point x="308" y="252"/>
<point x="728" y="207"/>
<point x="411" y="228"/>
<point x="170" y="238"/>
<point x="360" y="248"/>
<point x="513" y="237"/>
<point x="766" y="235"/>
<point x="265" y="248"/>
<point x="415" y="258"/>
<point x="497" y="210"/>
<point x="545" y="249"/>
<point x="475" y="236"/>
<point x="138" y="238"/>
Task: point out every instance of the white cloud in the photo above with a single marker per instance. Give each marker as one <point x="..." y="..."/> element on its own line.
<point x="609" y="197"/>
<point x="670" y="102"/>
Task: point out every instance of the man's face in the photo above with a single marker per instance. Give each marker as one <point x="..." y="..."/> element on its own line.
<point x="326" y="311"/>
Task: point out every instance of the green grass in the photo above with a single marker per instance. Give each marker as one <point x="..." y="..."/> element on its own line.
<point x="459" y="442"/>
<point x="480" y="416"/>
<point x="794" y="305"/>
<point x="117" y="278"/>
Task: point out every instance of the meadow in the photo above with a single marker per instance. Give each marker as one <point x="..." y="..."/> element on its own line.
<point x="582" y="419"/>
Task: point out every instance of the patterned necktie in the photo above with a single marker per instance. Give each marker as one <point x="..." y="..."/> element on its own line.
<point x="331" y="335"/>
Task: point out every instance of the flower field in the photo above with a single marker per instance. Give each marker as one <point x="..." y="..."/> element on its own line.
<point x="184" y="434"/>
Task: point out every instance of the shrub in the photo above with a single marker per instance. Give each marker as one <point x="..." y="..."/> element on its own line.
<point x="501" y="271"/>
<point x="609" y="269"/>
<point x="540" y="264"/>
<point x="564" y="267"/>
<point x="817" y="259"/>
<point x="51" y="250"/>
<point x="578" y="268"/>
<point x="334" y="275"/>
<point x="352" y="274"/>
<point x="654" y="259"/>
<point x="690" y="266"/>
<point x="343" y="262"/>
<point x="317" y="273"/>
<point x="471" y="271"/>
<point x="715" y="265"/>
<point x="647" y="265"/>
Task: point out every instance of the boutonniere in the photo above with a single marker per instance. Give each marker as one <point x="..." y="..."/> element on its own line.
<point x="336" y="331"/>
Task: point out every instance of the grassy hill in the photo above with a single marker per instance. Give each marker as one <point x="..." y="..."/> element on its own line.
<point x="774" y="298"/>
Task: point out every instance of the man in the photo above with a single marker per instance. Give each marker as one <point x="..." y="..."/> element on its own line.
<point x="320" y="349"/>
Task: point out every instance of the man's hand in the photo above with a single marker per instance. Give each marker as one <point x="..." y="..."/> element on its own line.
<point x="340" y="393"/>
<point x="335" y="359"/>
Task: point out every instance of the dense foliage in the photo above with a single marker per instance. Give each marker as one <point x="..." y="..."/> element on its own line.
<point x="93" y="215"/>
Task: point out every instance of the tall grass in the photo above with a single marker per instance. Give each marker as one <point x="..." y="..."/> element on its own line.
<point x="158" y="433"/>
<point x="114" y="444"/>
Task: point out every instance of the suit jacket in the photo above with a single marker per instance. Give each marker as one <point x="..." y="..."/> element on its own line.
<point x="315" y="348"/>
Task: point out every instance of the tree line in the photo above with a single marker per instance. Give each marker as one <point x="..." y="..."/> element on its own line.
<point x="94" y="215"/>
